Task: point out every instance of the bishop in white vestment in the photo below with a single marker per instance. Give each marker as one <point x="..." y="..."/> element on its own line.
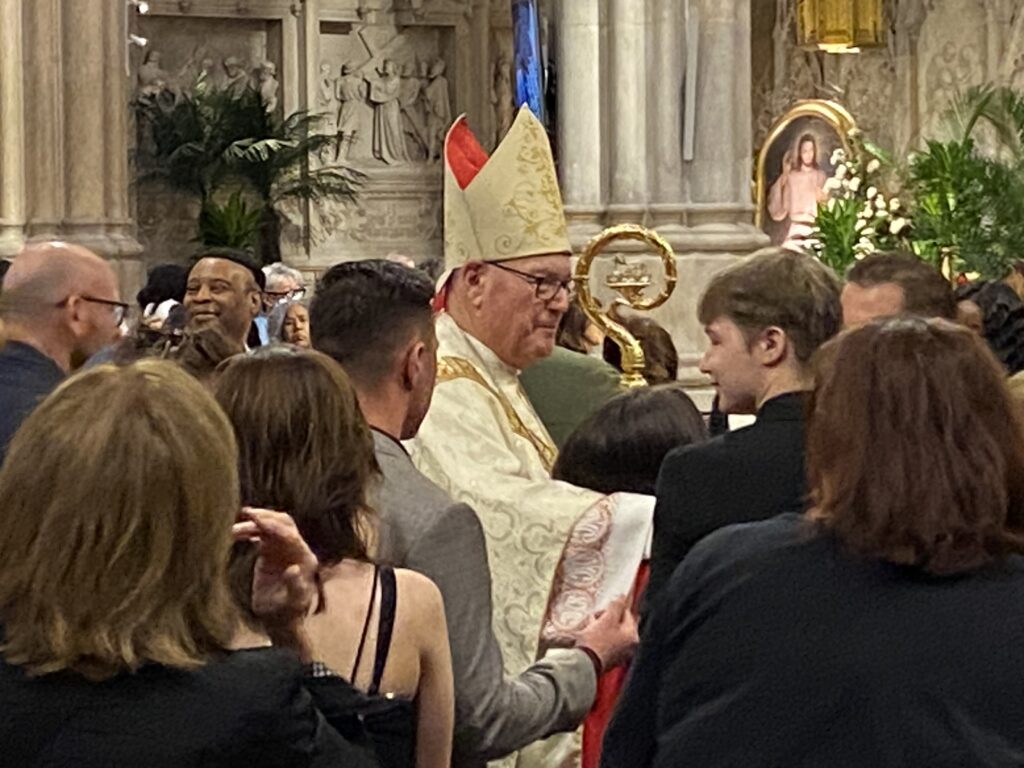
<point x="557" y="552"/>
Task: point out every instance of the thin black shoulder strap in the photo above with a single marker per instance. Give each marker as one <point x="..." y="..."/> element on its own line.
<point x="388" y="602"/>
<point x="366" y="624"/>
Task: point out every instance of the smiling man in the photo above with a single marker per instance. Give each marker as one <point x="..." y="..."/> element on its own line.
<point x="764" y="319"/>
<point x="507" y="285"/>
<point x="224" y="290"/>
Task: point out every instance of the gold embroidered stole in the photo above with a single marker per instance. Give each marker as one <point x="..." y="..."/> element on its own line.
<point x="450" y="367"/>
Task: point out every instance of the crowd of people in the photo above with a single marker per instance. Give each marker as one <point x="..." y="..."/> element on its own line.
<point x="241" y="525"/>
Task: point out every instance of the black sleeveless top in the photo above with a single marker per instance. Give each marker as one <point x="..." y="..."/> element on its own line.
<point x="389" y="720"/>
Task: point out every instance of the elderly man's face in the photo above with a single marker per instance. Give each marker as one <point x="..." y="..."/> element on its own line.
<point x="280" y="288"/>
<point x="222" y="293"/>
<point x="521" y="326"/>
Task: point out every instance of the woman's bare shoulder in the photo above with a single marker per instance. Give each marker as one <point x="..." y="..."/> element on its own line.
<point x="423" y="596"/>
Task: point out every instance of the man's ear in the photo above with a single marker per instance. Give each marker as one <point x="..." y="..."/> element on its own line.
<point x="474" y="277"/>
<point x="772" y="346"/>
<point x="255" y="302"/>
<point x="412" y="364"/>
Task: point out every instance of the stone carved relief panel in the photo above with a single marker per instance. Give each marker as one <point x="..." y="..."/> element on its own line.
<point x="388" y="92"/>
<point x="231" y="53"/>
<point x="951" y="57"/>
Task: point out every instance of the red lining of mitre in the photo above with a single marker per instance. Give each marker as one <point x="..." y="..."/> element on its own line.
<point x="463" y="153"/>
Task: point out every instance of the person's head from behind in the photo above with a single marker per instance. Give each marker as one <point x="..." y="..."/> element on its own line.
<point x="224" y="288"/>
<point x="915" y="452"/>
<point x="374" y="318"/>
<point x="514" y="307"/>
<point x="895" y="283"/>
<point x="117" y="498"/>
<point x="576" y="331"/>
<point x="63" y="299"/>
<point x="661" y="360"/>
<point x="764" y="319"/>
<point x="164" y="282"/>
<point x="295" y="324"/>
<point x="621" y="445"/>
<point x="995" y="311"/>
<point x="303" y="445"/>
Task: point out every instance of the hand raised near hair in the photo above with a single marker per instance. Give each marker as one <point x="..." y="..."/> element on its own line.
<point x="284" y="577"/>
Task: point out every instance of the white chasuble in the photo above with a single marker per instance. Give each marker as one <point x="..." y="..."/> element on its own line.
<point x="557" y="552"/>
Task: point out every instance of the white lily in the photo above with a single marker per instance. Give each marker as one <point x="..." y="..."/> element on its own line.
<point x="897" y="225"/>
<point x="841" y="171"/>
<point x="861" y="223"/>
<point x="873" y="165"/>
<point x="855" y="183"/>
<point x="894" y="203"/>
<point x="880" y="203"/>
<point x="832" y="184"/>
<point x="872" y="191"/>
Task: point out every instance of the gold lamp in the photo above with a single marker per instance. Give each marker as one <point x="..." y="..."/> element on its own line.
<point x="630" y="281"/>
<point x="840" y="26"/>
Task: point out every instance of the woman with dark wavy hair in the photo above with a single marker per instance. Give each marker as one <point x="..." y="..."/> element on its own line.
<point x="881" y="628"/>
<point x="305" y="448"/>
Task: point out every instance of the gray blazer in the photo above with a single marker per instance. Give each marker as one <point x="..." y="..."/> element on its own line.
<point x="423" y="529"/>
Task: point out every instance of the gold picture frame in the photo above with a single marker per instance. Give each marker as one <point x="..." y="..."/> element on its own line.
<point x="829" y="123"/>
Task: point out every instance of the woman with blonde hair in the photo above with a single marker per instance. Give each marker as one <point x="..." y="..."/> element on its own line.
<point x="118" y="506"/>
<point x="305" y="448"/>
<point x="883" y="626"/>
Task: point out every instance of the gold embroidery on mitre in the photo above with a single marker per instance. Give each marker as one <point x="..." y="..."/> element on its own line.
<point x="450" y="368"/>
<point x="512" y="208"/>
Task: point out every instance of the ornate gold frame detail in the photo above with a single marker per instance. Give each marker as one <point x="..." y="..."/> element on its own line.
<point x="832" y="113"/>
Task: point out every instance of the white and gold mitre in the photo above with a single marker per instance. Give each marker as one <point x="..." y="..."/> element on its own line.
<point x="506" y="206"/>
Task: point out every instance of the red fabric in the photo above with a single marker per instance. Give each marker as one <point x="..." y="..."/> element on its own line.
<point x="609" y="685"/>
<point x="463" y="153"/>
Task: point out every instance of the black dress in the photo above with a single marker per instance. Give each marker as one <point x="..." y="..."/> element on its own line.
<point x="248" y="709"/>
<point x="389" y="720"/>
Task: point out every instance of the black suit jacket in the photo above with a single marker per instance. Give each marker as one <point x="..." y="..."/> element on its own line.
<point x="742" y="476"/>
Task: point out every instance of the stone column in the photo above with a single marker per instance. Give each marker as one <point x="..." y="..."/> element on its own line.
<point x="628" y="110"/>
<point x="578" y="37"/>
<point x="12" y="135"/>
<point x="665" y="94"/>
<point x="43" y="119"/>
<point x="95" y="127"/>
<point x="720" y="169"/>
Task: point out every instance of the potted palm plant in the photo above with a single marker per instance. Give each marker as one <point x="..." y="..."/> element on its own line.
<point x="239" y="161"/>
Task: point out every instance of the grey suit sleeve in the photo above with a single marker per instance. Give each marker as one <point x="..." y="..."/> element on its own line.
<point x="493" y="715"/>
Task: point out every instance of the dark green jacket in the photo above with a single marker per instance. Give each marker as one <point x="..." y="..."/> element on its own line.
<point x="566" y="387"/>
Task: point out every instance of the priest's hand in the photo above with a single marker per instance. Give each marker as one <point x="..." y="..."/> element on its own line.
<point x="611" y="634"/>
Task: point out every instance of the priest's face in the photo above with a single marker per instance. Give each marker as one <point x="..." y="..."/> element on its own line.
<point x="520" y="315"/>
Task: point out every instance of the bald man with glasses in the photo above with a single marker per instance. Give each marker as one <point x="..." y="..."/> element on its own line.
<point x="59" y="306"/>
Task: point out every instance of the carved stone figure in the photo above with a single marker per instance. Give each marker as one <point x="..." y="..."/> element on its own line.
<point x="502" y="98"/>
<point x="439" y="109"/>
<point x="236" y="79"/>
<point x="152" y="79"/>
<point x="413" y="115"/>
<point x="350" y="92"/>
<point x="388" y="139"/>
<point x="268" y="85"/>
